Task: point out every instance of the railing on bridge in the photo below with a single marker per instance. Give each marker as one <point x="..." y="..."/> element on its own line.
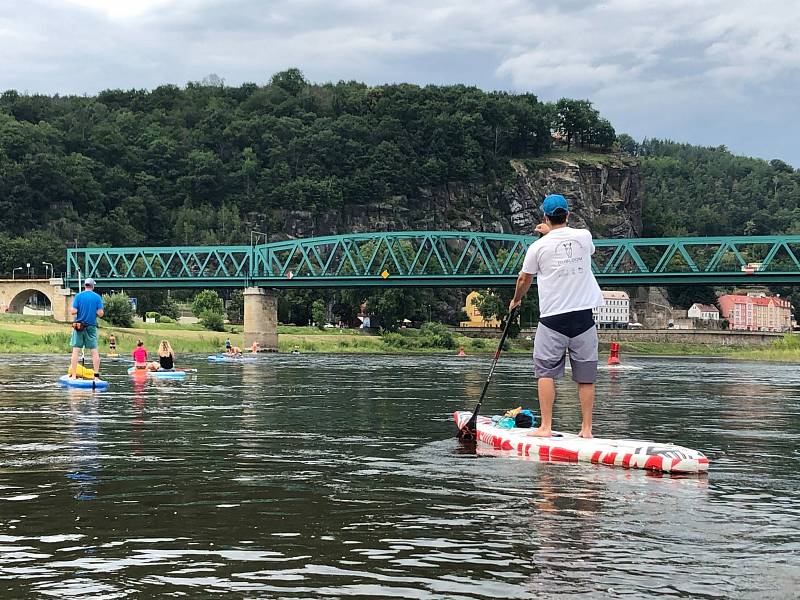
<point x="433" y="258"/>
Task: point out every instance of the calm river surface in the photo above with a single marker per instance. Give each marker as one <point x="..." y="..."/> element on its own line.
<point x="339" y="477"/>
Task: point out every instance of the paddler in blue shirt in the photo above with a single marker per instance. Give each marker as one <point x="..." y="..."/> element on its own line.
<point x="86" y="307"/>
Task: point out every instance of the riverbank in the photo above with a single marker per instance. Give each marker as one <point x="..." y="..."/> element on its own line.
<point x="35" y="335"/>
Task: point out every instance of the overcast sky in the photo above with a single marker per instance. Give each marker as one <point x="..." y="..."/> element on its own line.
<point x="708" y="72"/>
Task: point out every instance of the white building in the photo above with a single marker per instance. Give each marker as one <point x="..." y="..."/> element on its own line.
<point x="615" y="312"/>
<point x="706" y="312"/>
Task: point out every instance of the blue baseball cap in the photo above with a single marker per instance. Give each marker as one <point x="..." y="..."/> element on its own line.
<point x="553" y="202"/>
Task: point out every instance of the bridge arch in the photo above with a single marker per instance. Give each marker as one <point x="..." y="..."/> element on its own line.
<point x="15" y="293"/>
<point x="42" y="301"/>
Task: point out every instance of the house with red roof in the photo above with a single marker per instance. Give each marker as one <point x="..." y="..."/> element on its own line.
<point x="756" y="312"/>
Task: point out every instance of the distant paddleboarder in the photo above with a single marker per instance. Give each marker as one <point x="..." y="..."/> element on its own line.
<point x="561" y="260"/>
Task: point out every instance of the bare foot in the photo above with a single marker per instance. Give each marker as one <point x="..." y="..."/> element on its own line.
<point x="584" y="433"/>
<point x="540" y="432"/>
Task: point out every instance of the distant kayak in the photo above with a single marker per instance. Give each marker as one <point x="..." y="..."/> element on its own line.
<point x="631" y="454"/>
<point x="233" y="359"/>
<point x="160" y="374"/>
<point x="91" y="384"/>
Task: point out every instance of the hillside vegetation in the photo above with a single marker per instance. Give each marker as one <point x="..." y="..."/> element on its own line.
<point x="206" y="163"/>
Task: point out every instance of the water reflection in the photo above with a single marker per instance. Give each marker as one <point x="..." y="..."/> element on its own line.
<point x="332" y="476"/>
<point x="84" y="431"/>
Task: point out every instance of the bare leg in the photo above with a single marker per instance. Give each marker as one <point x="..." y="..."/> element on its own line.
<point x="73" y="362"/>
<point x="96" y="360"/>
<point x="586" y="395"/>
<point x="547" y="396"/>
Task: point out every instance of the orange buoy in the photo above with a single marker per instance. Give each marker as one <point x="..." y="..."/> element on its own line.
<point x="613" y="358"/>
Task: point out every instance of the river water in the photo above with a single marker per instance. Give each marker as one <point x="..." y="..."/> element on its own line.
<point x="318" y="476"/>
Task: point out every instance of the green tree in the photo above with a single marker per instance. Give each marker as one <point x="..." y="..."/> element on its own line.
<point x="118" y="309"/>
<point x="391" y="305"/>
<point x="627" y="144"/>
<point x="603" y="134"/>
<point x="213" y="320"/>
<point x="575" y="120"/>
<point x="235" y="308"/>
<point x="684" y="296"/>
<point x="490" y="305"/>
<point x="205" y="301"/>
<point x="291" y="81"/>
<point x="319" y="313"/>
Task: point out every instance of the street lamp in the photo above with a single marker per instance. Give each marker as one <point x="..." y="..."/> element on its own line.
<point x="46" y="265"/>
<point x="14" y="270"/>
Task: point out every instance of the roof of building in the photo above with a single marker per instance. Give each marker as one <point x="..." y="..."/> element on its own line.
<point x="758" y="301"/>
<point x="705" y="307"/>
<point x="611" y="295"/>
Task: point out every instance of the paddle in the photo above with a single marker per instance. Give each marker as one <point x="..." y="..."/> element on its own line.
<point x="469" y="432"/>
<point x="83" y="368"/>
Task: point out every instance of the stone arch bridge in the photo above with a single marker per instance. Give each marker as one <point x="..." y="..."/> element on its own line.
<point x="15" y="292"/>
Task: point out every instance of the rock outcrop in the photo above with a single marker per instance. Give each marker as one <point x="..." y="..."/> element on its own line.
<point x="605" y="196"/>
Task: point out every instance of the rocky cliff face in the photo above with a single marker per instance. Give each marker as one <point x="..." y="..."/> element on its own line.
<point x="605" y="196"/>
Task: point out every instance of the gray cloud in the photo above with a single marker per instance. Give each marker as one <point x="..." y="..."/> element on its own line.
<point x="715" y="72"/>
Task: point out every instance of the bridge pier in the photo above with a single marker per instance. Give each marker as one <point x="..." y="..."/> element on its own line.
<point x="61" y="302"/>
<point x="261" y="318"/>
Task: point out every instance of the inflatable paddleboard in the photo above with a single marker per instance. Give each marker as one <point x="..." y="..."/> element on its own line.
<point x="223" y="358"/>
<point x="158" y="374"/>
<point x="91" y="384"/>
<point x="632" y="454"/>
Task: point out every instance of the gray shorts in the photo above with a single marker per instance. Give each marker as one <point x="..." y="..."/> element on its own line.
<point x="549" y="354"/>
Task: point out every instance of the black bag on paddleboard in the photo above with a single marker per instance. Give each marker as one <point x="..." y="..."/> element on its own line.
<point x="523" y="420"/>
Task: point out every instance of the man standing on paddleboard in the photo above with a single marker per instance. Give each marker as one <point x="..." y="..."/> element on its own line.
<point x="87" y="306"/>
<point x="562" y="262"/>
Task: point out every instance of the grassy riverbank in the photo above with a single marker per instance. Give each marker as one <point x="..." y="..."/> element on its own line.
<point x="23" y="334"/>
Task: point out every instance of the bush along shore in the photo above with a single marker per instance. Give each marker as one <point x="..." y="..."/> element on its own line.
<point x="36" y="335"/>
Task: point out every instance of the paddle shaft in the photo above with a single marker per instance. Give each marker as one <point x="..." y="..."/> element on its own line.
<point x="83" y="366"/>
<point x="469" y="429"/>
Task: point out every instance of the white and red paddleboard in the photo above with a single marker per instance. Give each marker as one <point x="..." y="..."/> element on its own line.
<point x="632" y="454"/>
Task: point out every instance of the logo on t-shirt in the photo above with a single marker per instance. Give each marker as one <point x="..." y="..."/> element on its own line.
<point x="564" y="248"/>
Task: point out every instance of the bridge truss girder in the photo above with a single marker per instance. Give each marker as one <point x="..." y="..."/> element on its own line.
<point x="434" y="259"/>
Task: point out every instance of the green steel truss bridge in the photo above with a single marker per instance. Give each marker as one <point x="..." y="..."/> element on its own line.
<point x="432" y="258"/>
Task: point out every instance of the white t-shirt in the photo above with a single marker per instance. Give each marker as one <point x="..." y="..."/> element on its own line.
<point x="562" y="263"/>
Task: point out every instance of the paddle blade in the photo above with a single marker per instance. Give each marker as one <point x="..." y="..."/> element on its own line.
<point x="469" y="432"/>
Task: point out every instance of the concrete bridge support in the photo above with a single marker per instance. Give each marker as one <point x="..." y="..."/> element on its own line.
<point x="61" y="301"/>
<point x="261" y="318"/>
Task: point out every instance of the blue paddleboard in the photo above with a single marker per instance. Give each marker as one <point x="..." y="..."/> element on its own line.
<point x="91" y="384"/>
<point x="158" y="374"/>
